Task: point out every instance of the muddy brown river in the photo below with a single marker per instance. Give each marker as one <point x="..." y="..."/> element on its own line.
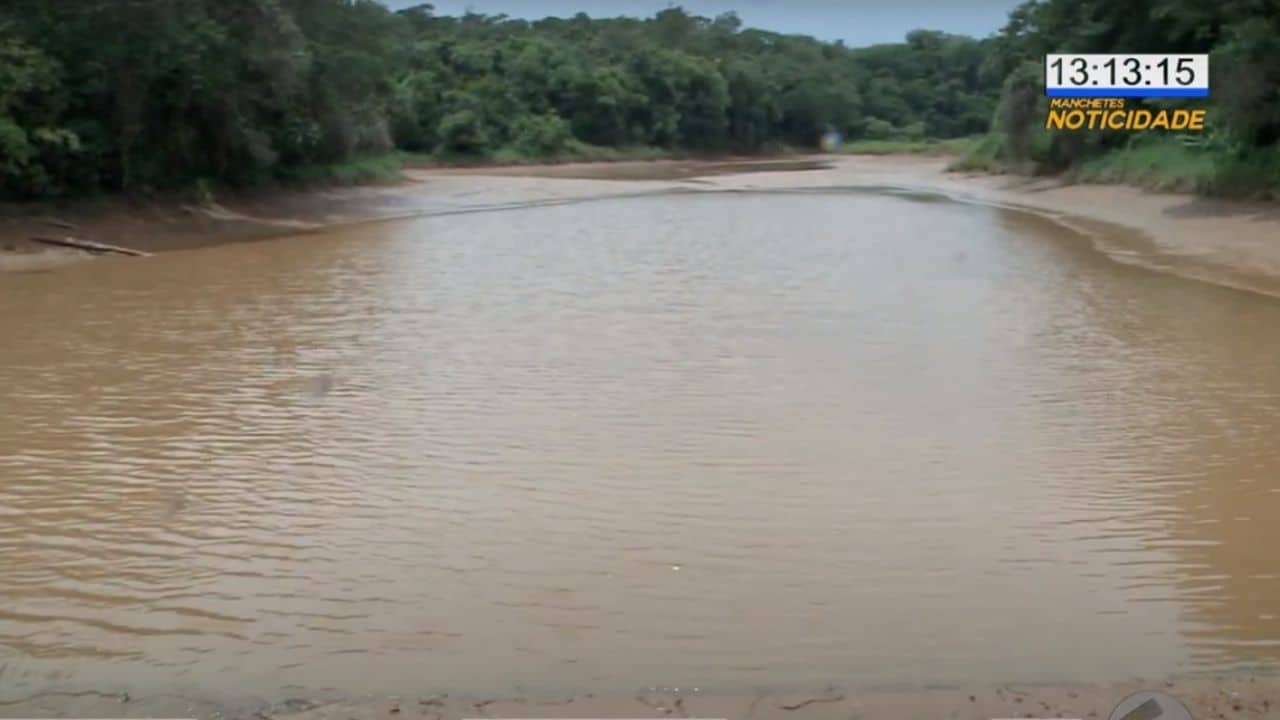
<point x="724" y="440"/>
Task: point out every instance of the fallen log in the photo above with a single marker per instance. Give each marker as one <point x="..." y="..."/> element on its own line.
<point x="89" y="246"/>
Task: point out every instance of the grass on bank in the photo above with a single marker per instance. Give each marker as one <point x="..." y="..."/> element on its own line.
<point x="984" y="155"/>
<point x="925" y="146"/>
<point x="1170" y="165"/>
<point x="580" y="152"/>
<point x="1167" y="163"/>
<point x="386" y="168"/>
<point x="357" y="171"/>
<point x="574" y="152"/>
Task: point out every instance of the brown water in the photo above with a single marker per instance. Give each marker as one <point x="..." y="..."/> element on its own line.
<point x="713" y="440"/>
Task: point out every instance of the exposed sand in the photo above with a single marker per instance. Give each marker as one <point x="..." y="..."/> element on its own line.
<point x="1229" y="242"/>
<point x="1208" y="698"/>
<point x="176" y="225"/>
<point x="650" y="170"/>
<point x="1226" y="242"/>
<point x="1232" y="243"/>
<point x="1236" y="697"/>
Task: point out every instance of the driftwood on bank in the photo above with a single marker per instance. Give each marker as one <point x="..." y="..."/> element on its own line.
<point x="89" y="246"/>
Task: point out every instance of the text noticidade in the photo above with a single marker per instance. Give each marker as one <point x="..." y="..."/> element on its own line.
<point x="1111" y="114"/>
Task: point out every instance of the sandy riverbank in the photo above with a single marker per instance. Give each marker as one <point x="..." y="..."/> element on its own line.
<point x="176" y="225"/>
<point x="1218" y="698"/>
<point x="1222" y="241"/>
<point x="1237" y="697"/>
<point x="1228" y="242"/>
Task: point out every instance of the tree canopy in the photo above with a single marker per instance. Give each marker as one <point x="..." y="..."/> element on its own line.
<point x="136" y="95"/>
<point x="1242" y="38"/>
<point x="142" y="95"/>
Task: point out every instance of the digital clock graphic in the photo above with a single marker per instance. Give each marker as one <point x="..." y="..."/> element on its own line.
<point x="1126" y="76"/>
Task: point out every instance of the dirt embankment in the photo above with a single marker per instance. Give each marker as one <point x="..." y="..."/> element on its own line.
<point x="176" y="225"/>
<point x="173" y="225"/>
<point x="1232" y="243"/>
<point x="1227" y="242"/>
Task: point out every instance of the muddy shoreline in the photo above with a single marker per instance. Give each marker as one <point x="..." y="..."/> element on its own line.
<point x="1223" y="698"/>
<point x="166" y="225"/>
<point x="1244" y="696"/>
<point x="1226" y="242"/>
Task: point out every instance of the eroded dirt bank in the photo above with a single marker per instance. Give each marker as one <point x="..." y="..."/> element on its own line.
<point x="1227" y="242"/>
<point x="173" y="225"/>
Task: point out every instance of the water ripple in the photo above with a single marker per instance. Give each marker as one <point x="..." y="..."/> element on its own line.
<point x="814" y="435"/>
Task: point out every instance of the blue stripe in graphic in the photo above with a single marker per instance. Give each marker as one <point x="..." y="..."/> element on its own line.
<point x="1101" y="92"/>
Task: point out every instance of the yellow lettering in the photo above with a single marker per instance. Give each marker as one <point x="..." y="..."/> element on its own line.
<point x="1075" y="119"/>
<point x="1054" y="120"/>
<point x="1197" y="120"/>
<point x="1140" y="119"/>
<point x="1161" y="121"/>
<point x="1179" y="120"/>
<point x="1115" y="119"/>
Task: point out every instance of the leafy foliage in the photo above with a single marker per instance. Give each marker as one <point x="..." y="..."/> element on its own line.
<point x="1243" y="39"/>
<point x="141" y="95"/>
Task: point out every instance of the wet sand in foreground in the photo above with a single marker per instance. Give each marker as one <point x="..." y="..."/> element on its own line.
<point x="1244" y="697"/>
<point x="1224" y="699"/>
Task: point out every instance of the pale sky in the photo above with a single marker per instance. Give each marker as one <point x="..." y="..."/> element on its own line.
<point x="857" y="22"/>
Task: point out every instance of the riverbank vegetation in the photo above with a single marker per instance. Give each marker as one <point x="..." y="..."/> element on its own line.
<point x="924" y="146"/>
<point x="147" y="95"/>
<point x="1174" y="165"/>
<point x="142" y="96"/>
<point x="1237" y="154"/>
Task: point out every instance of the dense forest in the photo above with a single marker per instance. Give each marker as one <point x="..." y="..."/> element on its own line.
<point x="1239" y="153"/>
<point x="148" y="95"/>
